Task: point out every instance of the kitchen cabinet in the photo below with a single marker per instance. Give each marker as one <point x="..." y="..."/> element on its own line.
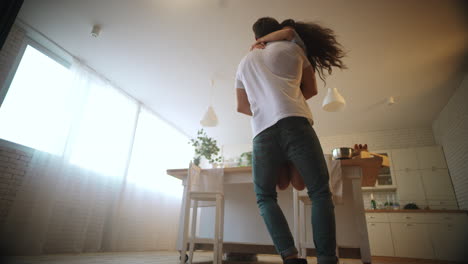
<point x="380" y="239"/>
<point x="410" y="187"/>
<point x="437" y="184"/>
<point x="449" y="241"/>
<point x="412" y="240"/>
<point x="380" y="235"/>
<point x="428" y="235"/>
<point x="405" y="159"/>
<point x="449" y="237"/>
<point x="431" y="157"/>
<point x="385" y="177"/>
<point x="422" y="177"/>
<point x="442" y="205"/>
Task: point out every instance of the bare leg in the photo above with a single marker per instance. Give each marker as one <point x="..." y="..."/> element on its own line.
<point x="283" y="177"/>
<point x="296" y="178"/>
<point x="289" y="174"/>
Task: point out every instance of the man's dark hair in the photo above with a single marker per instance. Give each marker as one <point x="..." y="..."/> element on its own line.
<point x="265" y="26"/>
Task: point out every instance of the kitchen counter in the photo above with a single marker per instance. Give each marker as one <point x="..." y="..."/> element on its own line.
<point x="369" y="167"/>
<point x="415" y="211"/>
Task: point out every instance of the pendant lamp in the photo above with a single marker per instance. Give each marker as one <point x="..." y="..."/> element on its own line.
<point x="209" y="118"/>
<point x="333" y="101"/>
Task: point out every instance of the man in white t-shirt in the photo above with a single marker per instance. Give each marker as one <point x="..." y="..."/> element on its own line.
<point x="273" y="85"/>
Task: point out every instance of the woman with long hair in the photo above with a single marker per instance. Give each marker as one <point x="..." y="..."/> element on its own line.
<point x="319" y="43"/>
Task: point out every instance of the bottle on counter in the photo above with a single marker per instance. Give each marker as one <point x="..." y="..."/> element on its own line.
<point x="372" y="202"/>
<point x="396" y="205"/>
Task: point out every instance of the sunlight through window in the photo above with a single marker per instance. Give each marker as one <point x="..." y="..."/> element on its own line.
<point x="35" y="112"/>
<point x="102" y="141"/>
<point x="158" y="147"/>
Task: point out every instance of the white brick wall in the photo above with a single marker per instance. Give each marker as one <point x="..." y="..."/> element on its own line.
<point x="451" y="131"/>
<point x="13" y="159"/>
<point x="14" y="162"/>
<point x="380" y="198"/>
<point x="10" y="51"/>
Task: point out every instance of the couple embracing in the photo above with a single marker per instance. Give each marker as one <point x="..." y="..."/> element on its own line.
<point x="273" y="82"/>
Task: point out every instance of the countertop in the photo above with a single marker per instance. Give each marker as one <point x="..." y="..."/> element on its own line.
<point x="416" y="211"/>
<point x="370" y="168"/>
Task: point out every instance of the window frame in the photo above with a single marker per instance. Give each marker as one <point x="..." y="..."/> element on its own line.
<point x="28" y="41"/>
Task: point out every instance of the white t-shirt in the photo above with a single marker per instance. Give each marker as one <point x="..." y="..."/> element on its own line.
<point x="271" y="78"/>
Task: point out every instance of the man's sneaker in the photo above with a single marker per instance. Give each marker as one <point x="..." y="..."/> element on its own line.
<point x="295" y="261"/>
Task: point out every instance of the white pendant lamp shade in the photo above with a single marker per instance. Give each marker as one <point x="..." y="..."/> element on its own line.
<point x="209" y="119"/>
<point x="333" y="102"/>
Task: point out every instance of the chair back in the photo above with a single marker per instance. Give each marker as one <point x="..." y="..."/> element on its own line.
<point x="206" y="180"/>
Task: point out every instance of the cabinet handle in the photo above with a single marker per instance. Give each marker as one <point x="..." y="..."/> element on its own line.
<point x="409" y="225"/>
<point x="371" y="217"/>
<point x="449" y="225"/>
<point x="372" y="224"/>
<point x="408" y="217"/>
<point x="407" y="169"/>
<point x="434" y="168"/>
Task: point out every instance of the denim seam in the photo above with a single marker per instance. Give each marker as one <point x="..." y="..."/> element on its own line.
<point x="289" y="252"/>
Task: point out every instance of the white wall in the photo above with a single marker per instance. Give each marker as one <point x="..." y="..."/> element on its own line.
<point x="451" y="131"/>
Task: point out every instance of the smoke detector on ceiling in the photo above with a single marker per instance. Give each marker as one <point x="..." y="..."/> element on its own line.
<point x="96" y="31"/>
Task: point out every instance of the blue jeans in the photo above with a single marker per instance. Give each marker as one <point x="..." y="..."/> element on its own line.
<point x="293" y="139"/>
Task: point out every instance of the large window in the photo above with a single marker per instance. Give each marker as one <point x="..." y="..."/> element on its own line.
<point x="75" y="114"/>
<point x="158" y="147"/>
<point x="35" y="111"/>
<point x="101" y="135"/>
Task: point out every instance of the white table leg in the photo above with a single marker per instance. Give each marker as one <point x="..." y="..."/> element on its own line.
<point x="180" y="234"/>
<point x="296" y="219"/>
<point x="360" y="219"/>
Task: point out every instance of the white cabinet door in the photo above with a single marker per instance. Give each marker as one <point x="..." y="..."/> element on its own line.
<point x="412" y="240"/>
<point x="405" y="159"/>
<point x="431" y="157"/>
<point x="438" y="184"/>
<point x="410" y="187"/>
<point x="380" y="239"/>
<point x="449" y="240"/>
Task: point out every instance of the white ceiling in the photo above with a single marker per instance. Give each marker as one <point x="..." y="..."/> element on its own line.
<point x="164" y="53"/>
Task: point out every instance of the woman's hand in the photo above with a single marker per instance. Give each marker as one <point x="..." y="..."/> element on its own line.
<point x="258" y="45"/>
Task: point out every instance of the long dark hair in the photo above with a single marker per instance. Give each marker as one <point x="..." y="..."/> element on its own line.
<point x="323" y="50"/>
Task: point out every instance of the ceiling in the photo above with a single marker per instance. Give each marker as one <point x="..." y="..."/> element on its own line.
<point x="165" y="52"/>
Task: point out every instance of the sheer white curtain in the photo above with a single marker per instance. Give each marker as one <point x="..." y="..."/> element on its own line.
<point x="79" y="200"/>
<point x="148" y="213"/>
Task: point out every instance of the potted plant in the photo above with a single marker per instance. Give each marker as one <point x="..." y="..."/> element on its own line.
<point x="245" y="159"/>
<point x="205" y="146"/>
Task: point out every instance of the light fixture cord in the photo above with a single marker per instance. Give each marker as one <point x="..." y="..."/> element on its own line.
<point x="211" y="92"/>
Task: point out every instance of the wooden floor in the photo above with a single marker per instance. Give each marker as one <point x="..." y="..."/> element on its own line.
<point x="164" y="257"/>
